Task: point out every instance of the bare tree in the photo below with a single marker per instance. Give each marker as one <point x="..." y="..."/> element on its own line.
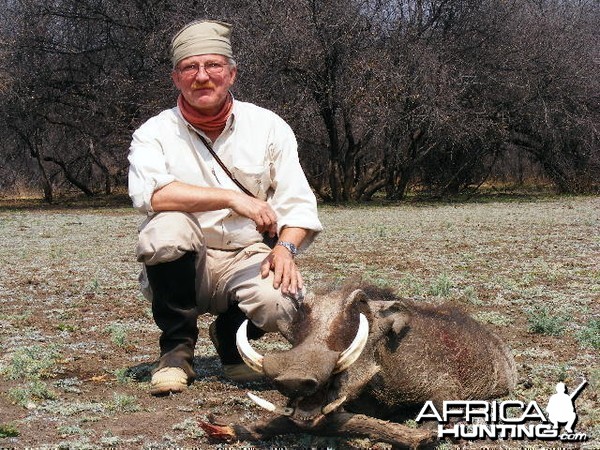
<point x="82" y="72"/>
<point x="315" y="65"/>
<point x="384" y="95"/>
<point x="555" y="89"/>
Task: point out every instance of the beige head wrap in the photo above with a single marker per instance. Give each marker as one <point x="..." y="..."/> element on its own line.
<point x="201" y="37"/>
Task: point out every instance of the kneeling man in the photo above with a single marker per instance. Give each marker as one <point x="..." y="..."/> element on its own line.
<point x="217" y="178"/>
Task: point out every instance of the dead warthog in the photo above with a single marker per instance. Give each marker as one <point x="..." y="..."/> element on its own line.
<point x="372" y="353"/>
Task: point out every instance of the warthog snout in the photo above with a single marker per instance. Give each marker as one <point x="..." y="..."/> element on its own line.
<point x="299" y="372"/>
<point x="296" y="386"/>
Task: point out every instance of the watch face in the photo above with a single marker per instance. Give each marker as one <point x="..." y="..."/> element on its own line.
<point x="291" y="247"/>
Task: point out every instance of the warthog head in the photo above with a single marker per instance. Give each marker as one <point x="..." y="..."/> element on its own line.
<point x="327" y="338"/>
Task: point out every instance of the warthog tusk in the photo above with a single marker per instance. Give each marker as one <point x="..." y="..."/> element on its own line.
<point x="270" y="406"/>
<point x="351" y="354"/>
<point x="333" y="405"/>
<point x="262" y="402"/>
<point x="251" y="357"/>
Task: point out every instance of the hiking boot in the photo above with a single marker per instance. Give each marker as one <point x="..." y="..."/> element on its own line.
<point x="168" y="380"/>
<point x="175" y="312"/>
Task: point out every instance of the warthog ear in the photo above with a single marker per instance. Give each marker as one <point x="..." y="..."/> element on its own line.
<point x="396" y="315"/>
<point x="356" y="296"/>
<point x="360" y="300"/>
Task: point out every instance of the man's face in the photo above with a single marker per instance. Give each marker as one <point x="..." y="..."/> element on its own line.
<point x="204" y="81"/>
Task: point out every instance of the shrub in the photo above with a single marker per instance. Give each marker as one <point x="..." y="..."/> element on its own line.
<point x="440" y="287"/>
<point x="118" y="334"/>
<point x="35" y="390"/>
<point x="8" y="430"/>
<point x="32" y="363"/>
<point x="542" y="322"/>
<point x="589" y="336"/>
<point x="124" y="403"/>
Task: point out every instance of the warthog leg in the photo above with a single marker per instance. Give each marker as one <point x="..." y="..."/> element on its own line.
<point x="338" y="424"/>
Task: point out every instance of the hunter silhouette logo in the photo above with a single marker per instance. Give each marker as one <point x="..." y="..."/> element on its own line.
<point x="561" y="406"/>
<point x="509" y="419"/>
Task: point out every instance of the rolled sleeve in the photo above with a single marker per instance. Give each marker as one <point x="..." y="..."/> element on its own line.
<point x="293" y="200"/>
<point x="147" y="170"/>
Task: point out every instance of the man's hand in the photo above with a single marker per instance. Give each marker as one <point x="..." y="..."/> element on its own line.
<point x="178" y="196"/>
<point x="287" y="275"/>
<point x="259" y="211"/>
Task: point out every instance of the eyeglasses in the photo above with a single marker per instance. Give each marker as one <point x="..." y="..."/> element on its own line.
<point x="211" y="68"/>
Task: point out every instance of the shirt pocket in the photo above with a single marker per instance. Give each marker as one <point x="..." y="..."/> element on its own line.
<point x="255" y="178"/>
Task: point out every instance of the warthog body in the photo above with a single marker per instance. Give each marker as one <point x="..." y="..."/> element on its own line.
<point x="413" y="353"/>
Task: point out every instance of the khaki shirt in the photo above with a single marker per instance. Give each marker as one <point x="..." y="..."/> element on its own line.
<point x="257" y="146"/>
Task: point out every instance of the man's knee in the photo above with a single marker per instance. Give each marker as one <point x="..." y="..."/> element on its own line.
<point x="167" y="236"/>
<point x="268" y="308"/>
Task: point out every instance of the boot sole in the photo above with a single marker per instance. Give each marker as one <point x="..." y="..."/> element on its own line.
<point x="167" y="388"/>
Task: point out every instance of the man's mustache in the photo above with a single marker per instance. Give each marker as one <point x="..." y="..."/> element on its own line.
<point x="203" y="85"/>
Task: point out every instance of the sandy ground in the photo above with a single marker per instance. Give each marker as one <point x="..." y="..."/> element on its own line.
<point x="77" y="339"/>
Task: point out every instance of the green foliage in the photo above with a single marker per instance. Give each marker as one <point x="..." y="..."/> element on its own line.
<point x="411" y="423"/>
<point x="66" y="327"/>
<point x="124" y="403"/>
<point x="34" y="390"/>
<point x="110" y="441"/>
<point x="32" y="363"/>
<point x="80" y="409"/>
<point x="8" y="430"/>
<point x="71" y="430"/>
<point x="375" y="277"/>
<point x="190" y="427"/>
<point x="440" y="287"/>
<point x="69" y="385"/>
<point x="410" y="286"/>
<point x="118" y="334"/>
<point x="542" y="322"/>
<point x="589" y="336"/>
<point x="122" y="375"/>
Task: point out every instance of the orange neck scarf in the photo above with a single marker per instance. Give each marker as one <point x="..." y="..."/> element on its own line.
<point x="204" y="122"/>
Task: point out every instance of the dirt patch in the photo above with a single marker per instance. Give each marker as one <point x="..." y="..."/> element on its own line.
<point x="77" y="340"/>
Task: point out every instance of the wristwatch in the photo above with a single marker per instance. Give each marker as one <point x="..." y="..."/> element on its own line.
<point x="291" y="247"/>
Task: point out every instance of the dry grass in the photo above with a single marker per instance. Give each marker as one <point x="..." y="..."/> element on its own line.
<point x="76" y="337"/>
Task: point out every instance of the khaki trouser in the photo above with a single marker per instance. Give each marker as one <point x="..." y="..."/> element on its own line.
<point x="223" y="277"/>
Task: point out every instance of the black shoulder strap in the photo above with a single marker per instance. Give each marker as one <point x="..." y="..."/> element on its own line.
<point x="270" y="241"/>
<point x="224" y="167"/>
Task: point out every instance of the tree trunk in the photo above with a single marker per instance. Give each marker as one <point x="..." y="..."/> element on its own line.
<point x="46" y="184"/>
<point x="103" y="168"/>
<point x="37" y="155"/>
<point x="70" y="177"/>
